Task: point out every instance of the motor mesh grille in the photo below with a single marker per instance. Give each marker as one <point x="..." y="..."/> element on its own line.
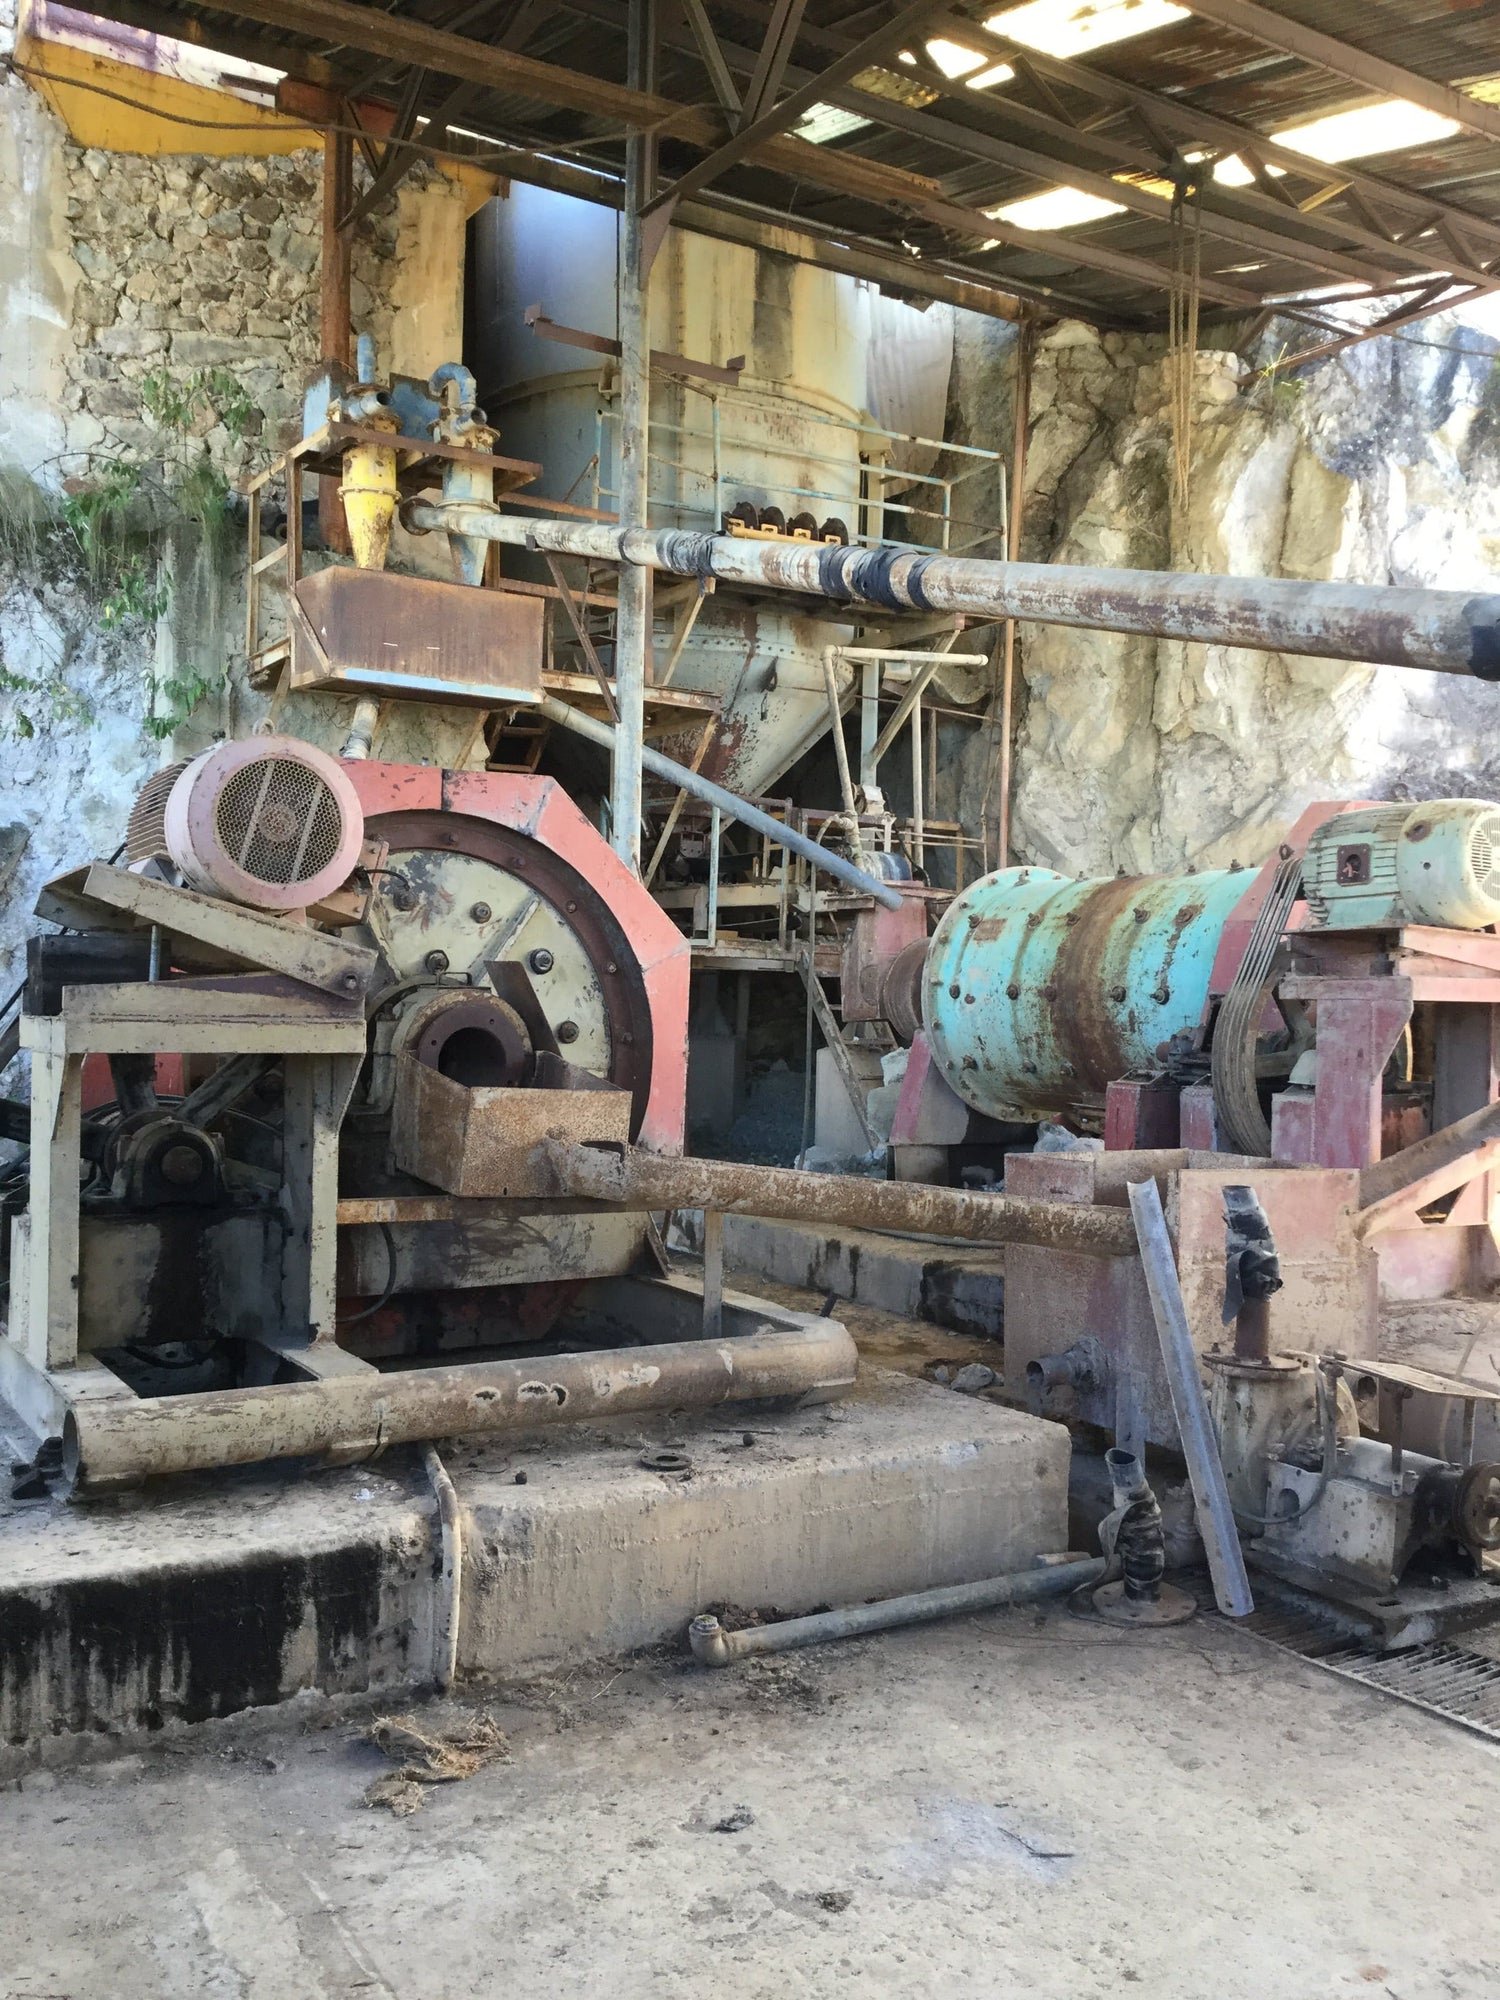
<point x="146" y="832"/>
<point x="279" y="820"/>
<point x="1484" y="855"/>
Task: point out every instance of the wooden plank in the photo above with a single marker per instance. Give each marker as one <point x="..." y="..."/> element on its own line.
<point x="310" y="957"/>
<point x="1402" y="1206"/>
<point x="1466" y="947"/>
<point x="1436" y="986"/>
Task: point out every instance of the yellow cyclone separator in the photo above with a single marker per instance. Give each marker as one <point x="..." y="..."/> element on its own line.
<point x="368" y="491"/>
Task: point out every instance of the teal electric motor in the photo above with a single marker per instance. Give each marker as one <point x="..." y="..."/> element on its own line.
<point x="1039" y="990"/>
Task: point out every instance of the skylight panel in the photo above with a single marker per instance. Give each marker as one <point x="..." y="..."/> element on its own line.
<point x="1057" y="208"/>
<point x="1076" y="27"/>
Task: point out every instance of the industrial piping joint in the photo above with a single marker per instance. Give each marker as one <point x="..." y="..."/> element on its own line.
<point x="1446" y="631"/>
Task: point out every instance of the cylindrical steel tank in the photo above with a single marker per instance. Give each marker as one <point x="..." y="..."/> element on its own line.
<point x="787" y="433"/>
<point x="1040" y="990"/>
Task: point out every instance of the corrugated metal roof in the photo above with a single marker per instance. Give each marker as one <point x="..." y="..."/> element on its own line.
<point x="1133" y="109"/>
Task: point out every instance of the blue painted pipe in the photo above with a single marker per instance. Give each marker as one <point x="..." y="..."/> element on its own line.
<point x="1040" y="990"/>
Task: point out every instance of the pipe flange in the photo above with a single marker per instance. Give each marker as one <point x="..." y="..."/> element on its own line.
<point x="472" y="1039"/>
<point x="1169" y="1606"/>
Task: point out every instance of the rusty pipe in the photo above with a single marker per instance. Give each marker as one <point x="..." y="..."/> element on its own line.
<point x="713" y="1646"/>
<point x="118" y="1441"/>
<point x="653" y="1181"/>
<point x="730" y="804"/>
<point x="1446" y="631"/>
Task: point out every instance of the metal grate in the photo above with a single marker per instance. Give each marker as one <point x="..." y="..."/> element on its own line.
<point x="145" y="832"/>
<point x="1446" y="1681"/>
<point x="279" y="820"/>
<point x="1484" y="843"/>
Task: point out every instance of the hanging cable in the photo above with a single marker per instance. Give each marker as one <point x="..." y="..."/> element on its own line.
<point x="1183" y="303"/>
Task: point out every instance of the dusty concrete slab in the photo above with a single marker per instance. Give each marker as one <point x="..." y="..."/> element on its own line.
<point x="903" y="1486"/>
<point x="1019" y="1804"/>
<point x="198" y="1598"/>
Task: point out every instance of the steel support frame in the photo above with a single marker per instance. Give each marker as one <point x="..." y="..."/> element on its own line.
<point x="41" y="1370"/>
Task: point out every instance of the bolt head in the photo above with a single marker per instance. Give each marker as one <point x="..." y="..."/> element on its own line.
<point x="481" y="913"/>
<point x="540" y="960"/>
<point x="567" y="1031"/>
<point x="436" y="961"/>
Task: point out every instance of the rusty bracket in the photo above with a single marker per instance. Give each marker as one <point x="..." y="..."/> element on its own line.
<point x="663" y="361"/>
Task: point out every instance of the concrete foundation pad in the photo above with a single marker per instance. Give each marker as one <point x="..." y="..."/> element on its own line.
<point x="198" y="1599"/>
<point x="963" y="1289"/>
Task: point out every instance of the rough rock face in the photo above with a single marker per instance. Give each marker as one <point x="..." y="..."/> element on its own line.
<point x="1383" y="468"/>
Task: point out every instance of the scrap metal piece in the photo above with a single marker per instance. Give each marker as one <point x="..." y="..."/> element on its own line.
<point x="1221" y="1540"/>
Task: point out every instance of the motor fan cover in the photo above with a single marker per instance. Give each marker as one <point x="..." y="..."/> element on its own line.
<point x="270" y="822"/>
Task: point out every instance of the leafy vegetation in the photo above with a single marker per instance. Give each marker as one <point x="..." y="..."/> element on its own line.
<point x="121" y="525"/>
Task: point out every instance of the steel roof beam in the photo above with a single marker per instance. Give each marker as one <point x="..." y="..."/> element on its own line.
<point x="412" y="42"/>
<point x="770" y="125"/>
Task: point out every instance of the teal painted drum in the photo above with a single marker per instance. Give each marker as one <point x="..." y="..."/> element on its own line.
<point x="1040" y="990"/>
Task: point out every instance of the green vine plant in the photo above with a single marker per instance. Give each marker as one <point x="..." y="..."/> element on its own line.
<point x="109" y="533"/>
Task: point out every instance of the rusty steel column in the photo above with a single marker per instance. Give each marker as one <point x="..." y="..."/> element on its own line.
<point x="633" y="614"/>
<point x="1015" y="512"/>
<point x="119" y="1441"/>
<point x="656" y="1181"/>
<point x="335" y="333"/>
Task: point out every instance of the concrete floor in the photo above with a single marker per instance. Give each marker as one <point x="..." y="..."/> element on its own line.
<point x="1020" y="1803"/>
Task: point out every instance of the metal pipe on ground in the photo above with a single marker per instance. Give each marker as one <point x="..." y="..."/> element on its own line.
<point x="728" y="803"/>
<point x="714" y="1647"/>
<point x="118" y="1442"/>
<point x="656" y="1181"/>
<point x="1445" y="631"/>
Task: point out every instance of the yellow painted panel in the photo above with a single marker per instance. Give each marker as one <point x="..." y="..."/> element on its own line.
<point x="122" y="109"/>
<point x="162" y="115"/>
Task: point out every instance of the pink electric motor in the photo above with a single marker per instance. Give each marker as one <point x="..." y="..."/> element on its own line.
<point x="270" y="822"/>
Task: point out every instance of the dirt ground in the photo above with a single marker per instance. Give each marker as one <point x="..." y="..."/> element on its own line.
<point x="1021" y="1804"/>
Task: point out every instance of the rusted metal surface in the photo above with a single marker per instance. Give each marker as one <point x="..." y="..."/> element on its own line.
<point x="1039" y="991"/>
<point x="476" y="1141"/>
<point x="1359" y="1024"/>
<point x="1055" y="1299"/>
<point x="1447" y="631"/>
<point x="370" y="632"/>
<point x="108" y="1446"/>
<point x="640" y="1181"/>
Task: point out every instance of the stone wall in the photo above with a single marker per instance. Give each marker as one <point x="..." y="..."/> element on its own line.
<point x="1379" y="466"/>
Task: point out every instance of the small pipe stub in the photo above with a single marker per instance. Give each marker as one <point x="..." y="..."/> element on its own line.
<point x="709" y="1641"/>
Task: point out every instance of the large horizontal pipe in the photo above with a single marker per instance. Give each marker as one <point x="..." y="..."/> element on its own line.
<point x="655" y="1181"/>
<point x="118" y="1441"/>
<point x="714" y="1647"/>
<point x="729" y="803"/>
<point x="1448" y="631"/>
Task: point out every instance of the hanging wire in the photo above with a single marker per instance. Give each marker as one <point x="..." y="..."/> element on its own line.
<point x="1183" y="303"/>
